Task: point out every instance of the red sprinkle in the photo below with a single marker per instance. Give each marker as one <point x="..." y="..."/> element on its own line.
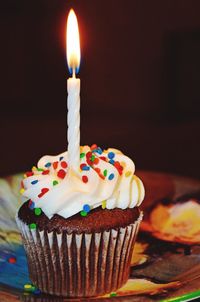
<point x="29" y="173"/>
<point x="64" y="165"/>
<point x="103" y="158"/>
<point x="61" y="173"/>
<point x="93" y="147"/>
<point x="55" y="165"/>
<point x="88" y="158"/>
<point x="97" y="170"/>
<point x="45" y="172"/>
<point x="12" y="260"/>
<point x="43" y="191"/>
<point x="84" y="178"/>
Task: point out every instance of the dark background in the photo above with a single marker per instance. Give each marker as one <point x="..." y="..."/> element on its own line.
<point x="140" y="74"/>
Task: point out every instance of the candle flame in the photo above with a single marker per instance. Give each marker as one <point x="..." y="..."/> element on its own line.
<point x="73" y="43"/>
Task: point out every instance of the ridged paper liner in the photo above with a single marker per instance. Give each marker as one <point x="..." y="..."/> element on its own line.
<point x="74" y="265"/>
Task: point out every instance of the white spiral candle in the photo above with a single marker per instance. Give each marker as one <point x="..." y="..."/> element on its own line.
<point x="73" y="120"/>
<point x="73" y="88"/>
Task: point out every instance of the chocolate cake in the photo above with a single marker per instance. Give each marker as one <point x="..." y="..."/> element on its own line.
<point x="97" y="220"/>
<point x="79" y="227"/>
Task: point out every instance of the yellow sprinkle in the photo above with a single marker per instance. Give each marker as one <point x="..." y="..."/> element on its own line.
<point x="21" y="190"/>
<point x="27" y="286"/>
<point x="34" y="168"/>
<point x="25" y="176"/>
<point x="128" y="173"/>
<point x="103" y="204"/>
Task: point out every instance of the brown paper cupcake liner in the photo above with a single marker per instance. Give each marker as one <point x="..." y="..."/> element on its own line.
<point x="79" y="265"/>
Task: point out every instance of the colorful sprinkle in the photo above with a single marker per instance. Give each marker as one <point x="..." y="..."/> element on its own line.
<point x="94" y="146"/>
<point x="88" y="158"/>
<point x="27" y="286"/>
<point x="31" y="204"/>
<point x="48" y="165"/>
<point x="119" y="167"/>
<point x="55" y="165"/>
<point x="21" y="191"/>
<point x="86" y="208"/>
<point x="111" y="161"/>
<point x="32" y="226"/>
<point x="128" y="173"/>
<point x="111" y="176"/>
<point x="83" y="213"/>
<point x="84" y="178"/>
<point x="43" y="191"/>
<point x="84" y="167"/>
<point x="103" y="204"/>
<point x="113" y="294"/>
<point x="61" y="158"/>
<point x="99" y="150"/>
<point x="45" y="172"/>
<point x="96" y="161"/>
<point x="103" y="158"/>
<point x="105" y="172"/>
<point x="12" y="260"/>
<point x="92" y="158"/>
<point x="40" y="169"/>
<point x="28" y="174"/>
<point x="55" y="182"/>
<point x="61" y="173"/>
<point x="111" y="155"/>
<point x="97" y="170"/>
<point x="34" y="168"/>
<point x="38" y="211"/>
<point x="64" y="165"/>
<point x="34" y="182"/>
<point x="82" y="155"/>
<point x="37" y="291"/>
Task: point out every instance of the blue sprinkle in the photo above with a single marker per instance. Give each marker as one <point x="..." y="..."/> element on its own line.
<point x="99" y="150"/>
<point x="48" y="165"/>
<point x="61" y="158"/>
<point x="36" y="291"/>
<point x="32" y="205"/>
<point x="111" y="176"/>
<point x="111" y="161"/>
<point x="85" y="168"/>
<point x="111" y="155"/>
<point x="34" y="182"/>
<point x="86" y="208"/>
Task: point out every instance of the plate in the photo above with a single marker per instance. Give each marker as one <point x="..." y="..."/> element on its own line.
<point x="162" y="269"/>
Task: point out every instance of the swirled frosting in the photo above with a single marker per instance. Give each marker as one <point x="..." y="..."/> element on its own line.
<point x="106" y="178"/>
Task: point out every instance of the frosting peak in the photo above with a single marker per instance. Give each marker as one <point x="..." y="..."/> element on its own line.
<point x="106" y="178"/>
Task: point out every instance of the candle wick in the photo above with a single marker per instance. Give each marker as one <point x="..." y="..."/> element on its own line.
<point x="73" y="72"/>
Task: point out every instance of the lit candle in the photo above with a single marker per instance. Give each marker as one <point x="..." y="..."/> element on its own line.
<point x="73" y="88"/>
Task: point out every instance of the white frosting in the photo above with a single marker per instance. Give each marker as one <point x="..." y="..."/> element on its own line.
<point x="118" y="188"/>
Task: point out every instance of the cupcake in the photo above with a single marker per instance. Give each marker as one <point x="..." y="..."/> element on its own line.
<point x="79" y="228"/>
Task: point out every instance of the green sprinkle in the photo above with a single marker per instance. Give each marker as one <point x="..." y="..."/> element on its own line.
<point x="82" y="155"/>
<point x="105" y="172"/>
<point x="38" y="211"/>
<point x="83" y="213"/>
<point x="40" y="169"/>
<point x="32" y="226"/>
<point x="113" y="294"/>
<point x="55" y="182"/>
<point x="92" y="157"/>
